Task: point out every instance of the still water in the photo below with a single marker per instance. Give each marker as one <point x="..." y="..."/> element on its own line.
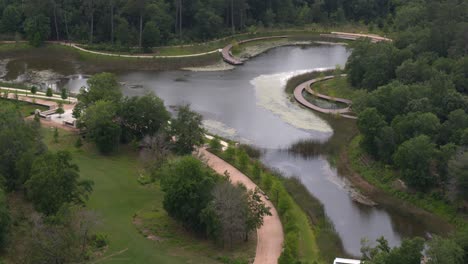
<point x="248" y="104"/>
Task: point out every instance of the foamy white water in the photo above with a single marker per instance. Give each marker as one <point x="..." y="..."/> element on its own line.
<point x="269" y="90"/>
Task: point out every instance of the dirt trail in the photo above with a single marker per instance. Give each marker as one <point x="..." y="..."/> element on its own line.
<point x="270" y="236"/>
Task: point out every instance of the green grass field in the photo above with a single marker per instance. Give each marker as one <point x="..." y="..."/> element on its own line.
<point x="337" y="87"/>
<point x="118" y="197"/>
<point x="26" y="109"/>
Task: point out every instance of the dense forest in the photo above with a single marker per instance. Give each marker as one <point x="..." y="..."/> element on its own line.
<point x="414" y="116"/>
<point x="160" y="22"/>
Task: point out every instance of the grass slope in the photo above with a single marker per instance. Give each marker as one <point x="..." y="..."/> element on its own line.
<point x="118" y="196"/>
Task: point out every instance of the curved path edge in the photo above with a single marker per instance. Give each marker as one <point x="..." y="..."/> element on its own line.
<point x="229" y="58"/>
<point x="270" y="235"/>
<point x="299" y="97"/>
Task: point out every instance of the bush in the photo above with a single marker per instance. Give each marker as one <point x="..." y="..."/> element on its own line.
<point x="99" y="240"/>
<point x="49" y="92"/>
<point x="215" y="145"/>
<point x="78" y="143"/>
<point x="33" y="89"/>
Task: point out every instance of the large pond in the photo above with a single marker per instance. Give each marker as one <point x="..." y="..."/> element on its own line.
<point x="249" y="104"/>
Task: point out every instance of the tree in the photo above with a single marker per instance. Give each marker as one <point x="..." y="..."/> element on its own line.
<point x="37" y="29"/>
<point x="143" y="116"/>
<point x="101" y="128"/>
<point x="62" y="238"/>
<point x="151" y="36"/>
<point x="230" y="207"/>
<point x="56" y="135"/>
<point x="370" y="123"/>
<point x="415" y="158"/>
<point x="122" y="32"/>
<point x="444" y="251"/>
<point x="60" y="110"/>
<point x="20" y="141"/>
<point x="49" y="92"/>
<point x="64" y="93"/>
<point x="187" y="186"/>
<point x="102" y="86"/>
<point x="33" y="89"/>
<point x="458" y="170"/>
<point x="408" y="253"/>
<point x="187" y="129"/>
<point x="55" y="182"/>
<point x="11" y="19"/>
<point x="4" y="219"/>
<point x="243" y="160"/>
<point x="256" y="211"/>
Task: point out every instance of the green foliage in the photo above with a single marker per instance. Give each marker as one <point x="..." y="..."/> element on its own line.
<point x="142" y="116"/>
<point x="78" y="143"/>
<point x="100" y="126"/>
<point x="64" y="93"/>
<point x="372" y="65"/>
<point x="151" y="35"/>
<point x="19" y="140"/>
<point x="56" y="135"/>
<point x="102" y="86"/>
<point x="49" y="92"/>
<point x="55" y="182"/>
<point x="243" y="159"/>
<point x="408" y="253"/>
<point x="4" y="219"/>
<point x="444" y="251"/>
<point x="414" y="158"/>
<point x="187" y="184"/>
<point x="33" y="89"/>
<point x="215" y="145"/>
<point x="11" y="19"/>
<point x="187" y="129"/>
<point x="37" y="29"/>
<point x="99" y="240"/>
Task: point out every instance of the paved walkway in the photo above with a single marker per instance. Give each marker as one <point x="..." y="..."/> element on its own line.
<point x="41" y="95"/>
<point x="354" y="36"/>
<point x="298" y="95"/>
<point x="229" y="58"/>
<point x="148" y="56"/>
<point x="270" y="236"/>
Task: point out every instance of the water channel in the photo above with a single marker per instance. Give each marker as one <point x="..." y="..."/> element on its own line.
<point x="249" y="104"/>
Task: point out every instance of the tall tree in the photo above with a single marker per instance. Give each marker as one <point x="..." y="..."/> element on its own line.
<point x="54" y="182"/>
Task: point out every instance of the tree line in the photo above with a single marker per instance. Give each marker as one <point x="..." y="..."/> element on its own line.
<point x="413" y="113"/>
<point x="59" y="229"/>
<point x="160" y="22"/>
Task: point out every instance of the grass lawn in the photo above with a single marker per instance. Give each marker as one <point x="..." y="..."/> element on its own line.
<point x="25" y="108"/>
<point x="337" y="87"/>
<point x="118" y="197"/>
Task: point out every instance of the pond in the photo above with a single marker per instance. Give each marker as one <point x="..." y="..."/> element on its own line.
<point x="249" y="104"/>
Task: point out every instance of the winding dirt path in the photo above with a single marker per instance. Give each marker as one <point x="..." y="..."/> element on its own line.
<point x="270" y="236"/>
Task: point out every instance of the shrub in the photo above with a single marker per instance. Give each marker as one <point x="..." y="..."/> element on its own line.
<point x="99" y="240"/>
<point x="49" y="92"/>
<point x="215" y="145"/>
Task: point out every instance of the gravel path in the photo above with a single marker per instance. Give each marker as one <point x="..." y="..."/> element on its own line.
<point x="270" y="236"/>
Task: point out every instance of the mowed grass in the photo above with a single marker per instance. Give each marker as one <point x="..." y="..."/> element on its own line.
<point x="117" y="197"/>
<point x="26" y="109"/>
<point x="337" y="87"/>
